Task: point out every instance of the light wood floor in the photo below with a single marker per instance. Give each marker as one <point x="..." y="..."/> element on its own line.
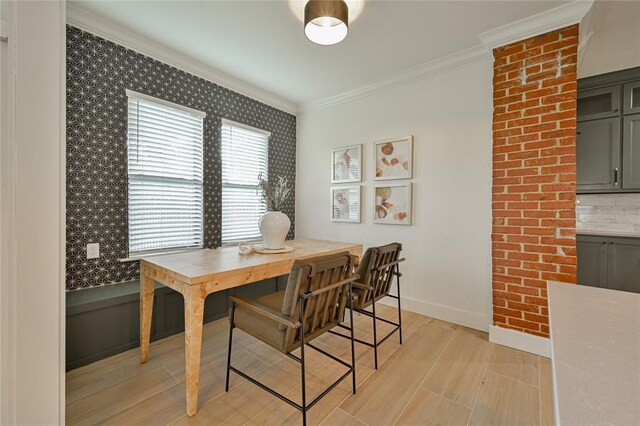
<point x="442" y="374"/>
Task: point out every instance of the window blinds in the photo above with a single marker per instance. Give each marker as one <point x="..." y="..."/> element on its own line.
<point x="165" y="175"/>
<point x="244" y="157"/>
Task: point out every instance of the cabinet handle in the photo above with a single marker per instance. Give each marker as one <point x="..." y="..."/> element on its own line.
<point x="615" y="176"/>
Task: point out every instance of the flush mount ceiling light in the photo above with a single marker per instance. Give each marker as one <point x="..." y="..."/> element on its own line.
<point x="326" y="22"/>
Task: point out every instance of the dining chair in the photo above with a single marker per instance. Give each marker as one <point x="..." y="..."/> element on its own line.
<point x="318" y="291"/>
<point x="378" y="267"/>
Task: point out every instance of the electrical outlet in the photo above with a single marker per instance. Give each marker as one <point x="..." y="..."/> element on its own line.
<point x="93" y="251"/>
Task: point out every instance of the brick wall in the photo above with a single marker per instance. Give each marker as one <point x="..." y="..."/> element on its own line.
<point x="534" y="176"/>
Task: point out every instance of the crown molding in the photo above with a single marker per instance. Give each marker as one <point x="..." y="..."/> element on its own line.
<point x="549" y="20"/>
<point x="87" y="21"/>
<point x="425" y="70"/>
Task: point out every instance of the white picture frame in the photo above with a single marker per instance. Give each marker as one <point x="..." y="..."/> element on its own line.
<point x="348" y="210"/>
<point x="346" y="164"/>
<point x="393" y="158"/>
<point x="392" y="203"/>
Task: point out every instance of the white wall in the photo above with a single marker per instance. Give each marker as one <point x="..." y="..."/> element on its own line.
<point x="32" y="215"/>
<point x="615" y="42"/>
<point x="448" y="247"/>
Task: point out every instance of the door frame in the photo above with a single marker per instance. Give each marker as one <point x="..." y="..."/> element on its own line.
<point x="32" y="213"/>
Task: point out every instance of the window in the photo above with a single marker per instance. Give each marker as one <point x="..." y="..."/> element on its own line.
<point x="244" y="157"/>
<point x="165" y="175"/>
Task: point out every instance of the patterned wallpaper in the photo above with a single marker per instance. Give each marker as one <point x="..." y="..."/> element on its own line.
<point x="98" y="73"/>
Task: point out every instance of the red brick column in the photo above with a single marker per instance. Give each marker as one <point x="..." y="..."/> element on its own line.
<point x="534" y="176"/>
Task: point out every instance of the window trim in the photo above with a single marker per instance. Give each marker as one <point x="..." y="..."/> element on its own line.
<point x="246" y="127"/>
<point x="142" y="96"/>
<point x="142" y="255"/>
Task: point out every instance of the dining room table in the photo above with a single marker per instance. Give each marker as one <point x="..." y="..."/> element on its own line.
<point x="197" y="273"/>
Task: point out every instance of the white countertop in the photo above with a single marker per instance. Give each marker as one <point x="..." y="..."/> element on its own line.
<point x="595" y="347"/>
<point x="607" y="233"/>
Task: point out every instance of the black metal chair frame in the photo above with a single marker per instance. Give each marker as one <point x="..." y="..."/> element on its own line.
<point x="397" y="326"/>
<point x="301" y="360"/>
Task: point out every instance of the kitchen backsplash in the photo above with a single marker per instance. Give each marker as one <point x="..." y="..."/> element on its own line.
<point x="617" y="213"/>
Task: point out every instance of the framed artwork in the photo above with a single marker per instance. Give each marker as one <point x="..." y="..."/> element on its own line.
<point x="345" y="203"/>
<point x="393" y="204"/>
<point x="346" y="164"/>
<point x="394" y="158"/>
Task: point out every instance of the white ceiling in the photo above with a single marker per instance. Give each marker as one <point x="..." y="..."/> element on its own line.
<point x="263" y="43"/>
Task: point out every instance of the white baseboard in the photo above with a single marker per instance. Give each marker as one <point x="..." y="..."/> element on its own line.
<point x="522" y="341"/>
<point x="501" y="336"/>
<point x="441" y="312"/>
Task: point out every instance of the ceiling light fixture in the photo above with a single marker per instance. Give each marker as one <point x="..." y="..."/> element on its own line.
<point x="326" y="22"/>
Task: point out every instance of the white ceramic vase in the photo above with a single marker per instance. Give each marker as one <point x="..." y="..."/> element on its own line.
<point x="274" y="227"/>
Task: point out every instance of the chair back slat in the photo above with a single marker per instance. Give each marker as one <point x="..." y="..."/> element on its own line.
<point x="387" y="273"/>
<point x="316" y="304"/>
<point x="324" y="310"/>
<point x="334" y="305"/>
<point x="324" y="316"/>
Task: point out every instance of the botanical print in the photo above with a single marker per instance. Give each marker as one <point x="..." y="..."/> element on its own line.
<point x="394" y="158"/>
<point x="393" y="204"/>
<point x="346" y="164"/>
<point x="345" y="204"/>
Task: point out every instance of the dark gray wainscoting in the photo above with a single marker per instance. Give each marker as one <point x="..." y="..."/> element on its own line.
<point x="104" y="321"/>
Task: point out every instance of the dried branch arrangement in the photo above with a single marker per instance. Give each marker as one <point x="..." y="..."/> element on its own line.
<point x="274" y="196"/>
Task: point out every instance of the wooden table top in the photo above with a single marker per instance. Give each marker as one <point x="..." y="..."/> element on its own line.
<point x="198" y="266"/>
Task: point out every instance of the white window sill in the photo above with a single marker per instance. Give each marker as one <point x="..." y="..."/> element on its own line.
<point x="139" y="256"/>
<point x="235" y="243"/>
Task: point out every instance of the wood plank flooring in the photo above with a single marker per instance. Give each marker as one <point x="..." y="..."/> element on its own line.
<point x="442" y="374"/>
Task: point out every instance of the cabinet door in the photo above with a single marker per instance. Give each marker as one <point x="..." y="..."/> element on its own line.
<point x="631" y="152"/>
<point x="631" y="100"/>
<point x="624" y="265"/>
<point x="598" y="154"/>
<point x="592" y="261"/>
<point x="598" y="103"/>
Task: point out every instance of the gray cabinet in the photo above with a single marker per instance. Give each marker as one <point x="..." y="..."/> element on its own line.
<point x="609" y="262"/>
<point x="631" y="152"/>
<point x="623" y="265"/>
<point x="598" y="103"/>
<point x="631" y="101"/>
<point x="608" y="133"/>
<point x="592" y="261"/>
<point x="598" y="154"/>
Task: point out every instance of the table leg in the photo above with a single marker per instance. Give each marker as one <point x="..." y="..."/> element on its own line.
<point x="193" y="316"/>
<point x="147" y="285"/>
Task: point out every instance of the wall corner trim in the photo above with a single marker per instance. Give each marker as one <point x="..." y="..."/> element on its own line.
<point x="521" y="341"/>
<point x="582" y="47"/>
<point x="549" y="20"/>
<point x="4" y="32"/>
<point x="87" y="21"/>
<point x="422" y="71"/>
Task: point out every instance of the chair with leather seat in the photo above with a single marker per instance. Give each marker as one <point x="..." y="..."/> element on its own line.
<point x="378" y="267"/>
<point x="318" y="293"/>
